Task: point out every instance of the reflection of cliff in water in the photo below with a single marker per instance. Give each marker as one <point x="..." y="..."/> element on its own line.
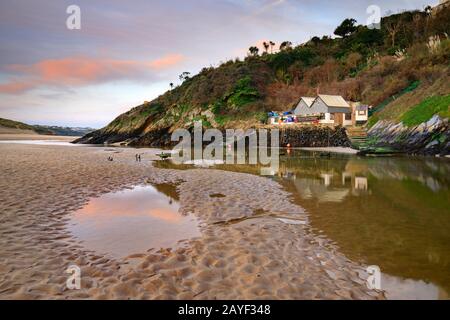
<point x="334" y="172"/>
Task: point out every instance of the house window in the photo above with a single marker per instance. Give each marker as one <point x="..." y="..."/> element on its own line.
<point x="347" y="116"/>
<point x="361" y="113"/>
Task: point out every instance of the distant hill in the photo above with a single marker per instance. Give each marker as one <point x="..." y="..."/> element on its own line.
<point x="16" y="127"/>
<point x="65" y="131"/>
<point x="394" y="69"/>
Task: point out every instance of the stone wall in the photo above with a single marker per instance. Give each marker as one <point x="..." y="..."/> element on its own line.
<point x="314" y="137"/>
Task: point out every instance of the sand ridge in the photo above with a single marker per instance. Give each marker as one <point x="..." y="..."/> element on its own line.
<point x="244" y="252"/>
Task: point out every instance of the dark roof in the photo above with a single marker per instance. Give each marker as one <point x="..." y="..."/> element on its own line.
<point x="362" y="108"/>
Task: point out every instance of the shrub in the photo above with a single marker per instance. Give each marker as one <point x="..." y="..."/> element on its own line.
<point x="243" y="93"/>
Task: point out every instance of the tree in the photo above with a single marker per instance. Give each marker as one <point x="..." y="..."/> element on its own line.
<point x="285" y="45"/>
<point x="393" y="28"/>
<point x="272" y="44"/>
<point x="346" y="28"/>
<point x="253" y="51"/>
<point x="184" y="76"/>
<point x="315" y="40"/>
<point x="266" y="46"/>
<point x="171" y="85"/>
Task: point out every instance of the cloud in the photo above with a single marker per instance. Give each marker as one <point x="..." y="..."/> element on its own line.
<point x="167" y="61"/>
<point x="82" y="70"/>
<point x="269" y="6"/>
<point x="15" y="87"/>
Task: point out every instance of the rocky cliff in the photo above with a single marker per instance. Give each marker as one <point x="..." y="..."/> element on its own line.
<point x="428" y="138"/>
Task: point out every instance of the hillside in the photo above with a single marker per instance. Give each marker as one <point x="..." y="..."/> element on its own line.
<point x="396" y="69"/>
<point x="14" y="127"/>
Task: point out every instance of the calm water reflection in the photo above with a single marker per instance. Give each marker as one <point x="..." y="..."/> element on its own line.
<point x="133" y="221"/>
<point x="390" y="212"/>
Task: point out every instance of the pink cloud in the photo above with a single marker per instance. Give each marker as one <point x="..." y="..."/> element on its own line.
<point x="167" y="61"/>
<point x="15" y="87"/>
<point x="78" y="71"/>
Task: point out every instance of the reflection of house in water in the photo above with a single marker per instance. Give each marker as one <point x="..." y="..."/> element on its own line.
<point x="357" y="182"/>
<point x="329" y="186"/>
<point x="326" y="178"/>
<point x="361" y="183"/>
<point x="315" y="188"/>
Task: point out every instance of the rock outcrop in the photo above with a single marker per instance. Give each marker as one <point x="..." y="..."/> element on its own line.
<point x="428" y="138"/>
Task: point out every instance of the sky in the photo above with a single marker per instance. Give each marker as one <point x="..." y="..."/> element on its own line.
<point x="128" y="52"/>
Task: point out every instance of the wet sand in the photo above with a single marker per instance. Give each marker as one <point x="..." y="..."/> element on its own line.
<point x="333" y="150"/>
<point x="31" y="136"/>
<point x="246" y="249"/>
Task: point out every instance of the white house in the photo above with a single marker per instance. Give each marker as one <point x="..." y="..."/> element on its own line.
<point x="303" y="106"/>
<point x="327" y="109"/>
<point x="361" y="114"/>
<point x="332" y="110"/>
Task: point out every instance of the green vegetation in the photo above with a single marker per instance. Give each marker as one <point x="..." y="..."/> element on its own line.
<point x="372" y="121"/>
<point x="346" y="28"/>
<point x="10" y="124"/>
<point x="15" y="125"/>
<point x="243" y="93"/>
<point x="426" y="109"/>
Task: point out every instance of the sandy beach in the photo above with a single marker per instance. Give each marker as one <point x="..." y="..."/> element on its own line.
<point x="246" y="249"/>
<point x="35" y="137"/>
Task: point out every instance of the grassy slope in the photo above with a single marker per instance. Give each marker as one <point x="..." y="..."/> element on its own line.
<point x="419" y="105"/>
<point x="15" y="124"/>
<point x="19" y="127"/>
<point x="426" y="109"/>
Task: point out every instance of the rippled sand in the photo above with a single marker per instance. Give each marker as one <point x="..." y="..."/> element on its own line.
<point x="246" y="250"/>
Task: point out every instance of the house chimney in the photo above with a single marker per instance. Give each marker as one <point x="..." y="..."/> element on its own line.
<point x="318" y="90"/>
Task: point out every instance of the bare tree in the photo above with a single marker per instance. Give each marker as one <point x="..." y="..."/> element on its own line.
<point x="393" y="28"/>
<point x="184" y="76"/>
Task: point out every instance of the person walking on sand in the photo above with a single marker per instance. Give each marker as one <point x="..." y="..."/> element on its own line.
<point x="139" y="157"/>
<point x="136" y="156"/>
